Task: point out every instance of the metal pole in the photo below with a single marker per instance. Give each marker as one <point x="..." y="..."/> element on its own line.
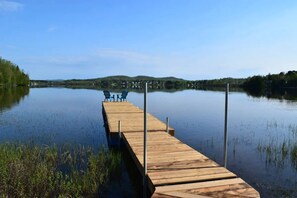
<point x="144" y="142"/>
<point x="167" y="124"/>
<point x="120" y="131"/>
<point x="226" y="126"/>
<point x="120" y="128"/>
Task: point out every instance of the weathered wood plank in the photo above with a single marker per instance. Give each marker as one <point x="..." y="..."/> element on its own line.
<point x="179" y="194"/>
<point x="188" y="172"/>
<point x="193" y="178"/>
<point x="186" y="164"/>
<point x="220" y="188"/>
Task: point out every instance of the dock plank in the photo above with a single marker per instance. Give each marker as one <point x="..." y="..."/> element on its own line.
<point x="235" y="187"/>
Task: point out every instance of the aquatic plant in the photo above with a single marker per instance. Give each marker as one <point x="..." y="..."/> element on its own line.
<point x="279" y="153"/>
<point x="294" y="156"/>
<point x="28" y="170"/>
<point x="293" y="129"/>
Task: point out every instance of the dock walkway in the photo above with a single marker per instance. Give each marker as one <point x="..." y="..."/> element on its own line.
<point x="174" y="168"/>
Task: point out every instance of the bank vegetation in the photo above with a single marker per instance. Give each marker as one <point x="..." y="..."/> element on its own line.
<point x="11" y="75"/>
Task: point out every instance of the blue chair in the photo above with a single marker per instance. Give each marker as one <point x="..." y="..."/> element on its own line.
<point x="108" y="96"/>
<point x="123" y="97"/>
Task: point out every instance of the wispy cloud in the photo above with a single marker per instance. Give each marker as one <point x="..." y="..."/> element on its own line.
<point x="12" y="47"/>
<point x="127" y="56"/>
<point x="58" y="60"/>
<point x="10" y="6"/>
<point x="51" y="28"/>
<point x="213" y="63"/>
<point x="136" y="63"/>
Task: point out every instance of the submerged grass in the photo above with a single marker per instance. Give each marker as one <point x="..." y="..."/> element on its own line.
<point x="279" y="153"/>
<point x="28" y="170"/>
<point x="294" y="156"/>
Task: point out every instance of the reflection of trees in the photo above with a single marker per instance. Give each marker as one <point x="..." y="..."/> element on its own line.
<point x="12" y="96"/>
<point x="281" y="86"/>
<point x="287" y="94"/>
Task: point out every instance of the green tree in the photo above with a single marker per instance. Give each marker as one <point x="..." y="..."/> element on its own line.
<point x="11" y="75"/>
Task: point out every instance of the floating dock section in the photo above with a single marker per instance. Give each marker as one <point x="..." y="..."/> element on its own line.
<point x="174" y="169"/>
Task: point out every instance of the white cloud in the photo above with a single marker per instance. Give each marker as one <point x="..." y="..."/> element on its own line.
<point x="51" y="28"/>
<point x="128" y="56"/>
<point x="10" y="6"/>
<point x="212" y="63"/>
<point x="135" y="63"/>
<point x="58" y="60"/>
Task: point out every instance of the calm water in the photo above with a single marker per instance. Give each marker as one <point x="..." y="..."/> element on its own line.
<point x="262" y="145"/>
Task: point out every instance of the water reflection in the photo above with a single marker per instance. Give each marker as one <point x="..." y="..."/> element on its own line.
<point x="55" y="116"/>
<point x="287" y="94"/>
<point x="262" y="132"/>
<point x="10" y="97"/>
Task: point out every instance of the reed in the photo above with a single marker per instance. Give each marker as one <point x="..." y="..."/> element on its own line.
<point x="294" y="156"/>
<point x="279" y="153"/>
<point x="28" y="170"/>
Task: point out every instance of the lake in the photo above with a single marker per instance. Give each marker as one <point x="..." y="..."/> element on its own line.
<point x="262" y="136"/>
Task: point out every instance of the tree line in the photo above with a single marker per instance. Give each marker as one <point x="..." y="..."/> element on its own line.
<point x="271" y="83"/>
<point x="137" y="82"/>
<point x="12" y="75"/>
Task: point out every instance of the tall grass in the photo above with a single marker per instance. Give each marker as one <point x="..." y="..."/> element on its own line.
<point x="278" y="153"/>
<point x="280" y="147"/>
<point x="28" y="170"/>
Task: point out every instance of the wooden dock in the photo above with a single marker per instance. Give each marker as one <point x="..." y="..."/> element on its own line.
<point x="174" y="168"/>
<point x="131" y="118"/>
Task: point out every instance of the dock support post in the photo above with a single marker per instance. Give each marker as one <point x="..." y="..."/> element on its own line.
<point x="226" y="126"/>
<point x="144" y="143"/>
<point x="167" y="124"/>
<point x="120" y="132"/>
<point x="120" y="128"/>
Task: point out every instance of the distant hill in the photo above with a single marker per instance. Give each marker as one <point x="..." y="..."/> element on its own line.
<point x="128" y="78"/>
<point x="136" y="82"/>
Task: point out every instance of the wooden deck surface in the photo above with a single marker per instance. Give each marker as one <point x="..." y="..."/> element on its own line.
<point x="174" y="168"/>
<point x="131" y="118"/>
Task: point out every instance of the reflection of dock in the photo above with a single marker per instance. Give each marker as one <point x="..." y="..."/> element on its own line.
<point x="174" y="168"/>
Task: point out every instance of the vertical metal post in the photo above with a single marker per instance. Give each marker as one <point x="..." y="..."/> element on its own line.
<point x="120" y="132"/>
<point x="120" y="128"/>
<point x="167" y="124"/>
<point x="144" y="142"/>
<point x="226" y="126"/>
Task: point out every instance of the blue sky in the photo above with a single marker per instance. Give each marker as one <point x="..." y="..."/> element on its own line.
<point x="190" y="39"/>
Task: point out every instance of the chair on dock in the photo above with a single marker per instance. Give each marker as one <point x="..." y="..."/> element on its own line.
<point x="108" y="96"/>
<point x="123" y="97"/>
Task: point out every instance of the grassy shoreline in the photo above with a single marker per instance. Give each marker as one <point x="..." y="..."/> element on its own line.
<point x="28" y="170"/>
